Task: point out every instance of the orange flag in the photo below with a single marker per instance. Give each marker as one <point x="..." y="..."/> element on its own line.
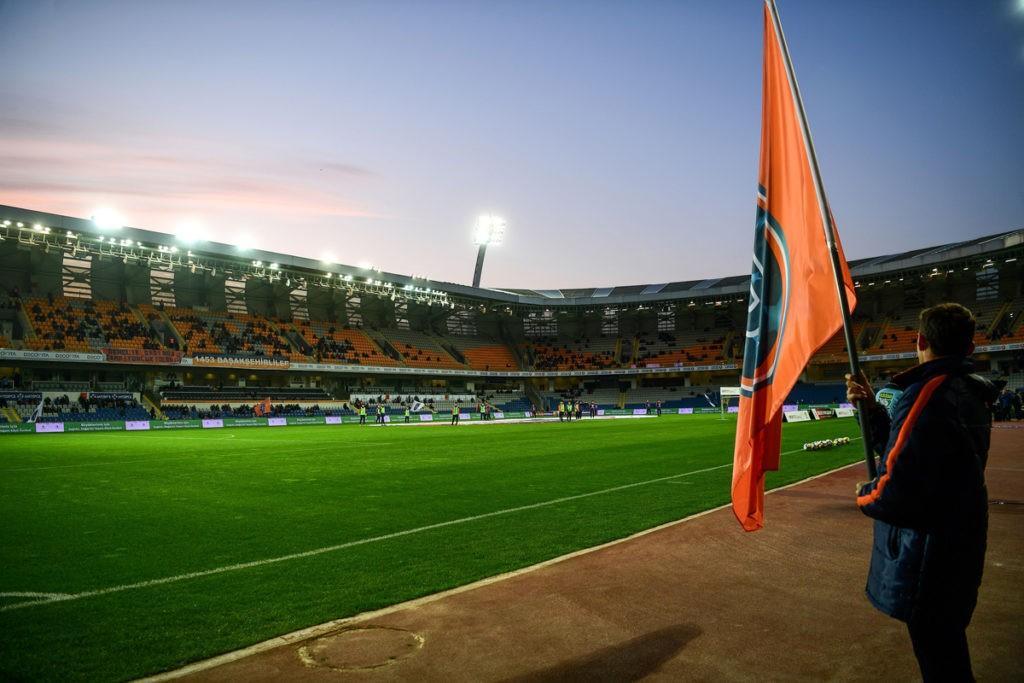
<point x="262" y="408"/>
<point x="794" y="305"/>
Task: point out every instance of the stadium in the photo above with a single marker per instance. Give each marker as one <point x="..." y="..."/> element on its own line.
<point x="205" y="529"/>
<point x="153" y="330"/>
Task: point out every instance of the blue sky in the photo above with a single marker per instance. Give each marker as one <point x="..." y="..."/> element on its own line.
<point x="619" y="139"/>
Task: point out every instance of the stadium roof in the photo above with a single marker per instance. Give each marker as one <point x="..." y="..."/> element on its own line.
<point x="729" y="286"/>
<point x="908" y="260"/>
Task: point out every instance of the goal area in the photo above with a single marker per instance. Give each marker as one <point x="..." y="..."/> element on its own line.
<point x="726" y="396"/>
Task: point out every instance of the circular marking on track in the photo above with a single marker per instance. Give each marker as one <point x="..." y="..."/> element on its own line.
<point x="362" y="647"/>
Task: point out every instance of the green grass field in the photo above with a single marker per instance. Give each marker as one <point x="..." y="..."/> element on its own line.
<point x="103" y="512"/>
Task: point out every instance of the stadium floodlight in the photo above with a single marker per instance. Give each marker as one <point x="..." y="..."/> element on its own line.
<point x="189" y="232"/>
<point x="106" y="218"/>
<point x="489" y="229"/>
<point x="244" y="242"/>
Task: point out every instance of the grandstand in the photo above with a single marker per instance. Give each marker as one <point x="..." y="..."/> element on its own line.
<point x="79" y="313"/>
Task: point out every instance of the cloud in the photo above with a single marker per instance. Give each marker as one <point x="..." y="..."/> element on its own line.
<point x="42" y="167"/>
<point x="343" y="169"/>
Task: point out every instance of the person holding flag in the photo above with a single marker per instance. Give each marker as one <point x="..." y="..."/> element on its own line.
<point x="929" y="503"/>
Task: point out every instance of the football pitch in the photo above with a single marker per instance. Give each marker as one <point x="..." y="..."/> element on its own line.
<point x="125" y="554"/>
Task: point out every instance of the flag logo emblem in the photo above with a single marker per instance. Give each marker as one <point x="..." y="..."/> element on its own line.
<point x="769" y="301"/>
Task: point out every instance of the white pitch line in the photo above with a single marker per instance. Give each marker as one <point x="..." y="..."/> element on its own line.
<point x="351" y="544"/>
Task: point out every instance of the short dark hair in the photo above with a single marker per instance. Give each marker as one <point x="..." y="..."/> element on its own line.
<point x="949" y="329"/>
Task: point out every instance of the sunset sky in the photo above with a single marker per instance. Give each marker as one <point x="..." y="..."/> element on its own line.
<point x="618" y="139"/>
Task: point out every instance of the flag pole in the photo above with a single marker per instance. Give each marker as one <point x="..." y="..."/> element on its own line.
<point x="830" y="234"/>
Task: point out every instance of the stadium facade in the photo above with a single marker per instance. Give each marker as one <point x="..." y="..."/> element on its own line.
<point x="92" y="310"/>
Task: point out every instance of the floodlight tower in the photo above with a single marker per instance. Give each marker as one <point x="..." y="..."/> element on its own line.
<point x="489" y="229"/>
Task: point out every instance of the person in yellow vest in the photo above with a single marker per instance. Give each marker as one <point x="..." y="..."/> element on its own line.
<point x="362" y="414"/>
<point x="561" y="410"/>
<point x="455" y="414"/>
<point x="407" y="413"/>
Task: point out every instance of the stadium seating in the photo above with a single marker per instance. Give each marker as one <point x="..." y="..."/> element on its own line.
<point x="83" y="325"/>
<point x="484" y="354"/>
<point x="585" y="353"/>
<point x="64" y="323"/>
<point x="419" y="350"/>
<point x="124" y="328"/>
<point x="234" y="334"/>
<point x="61" y="323"/>
<point x="211" y="411"/>
<point x="1006" y="321"/>
<point x="176" y="394"/>
<point x="667" y="349"/>
<point x="331" y="343"/>
<point x="508" y="401"/>
<point x="65" y="409"/>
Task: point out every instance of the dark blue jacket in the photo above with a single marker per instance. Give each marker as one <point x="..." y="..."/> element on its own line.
<point x="929" y="500"/>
